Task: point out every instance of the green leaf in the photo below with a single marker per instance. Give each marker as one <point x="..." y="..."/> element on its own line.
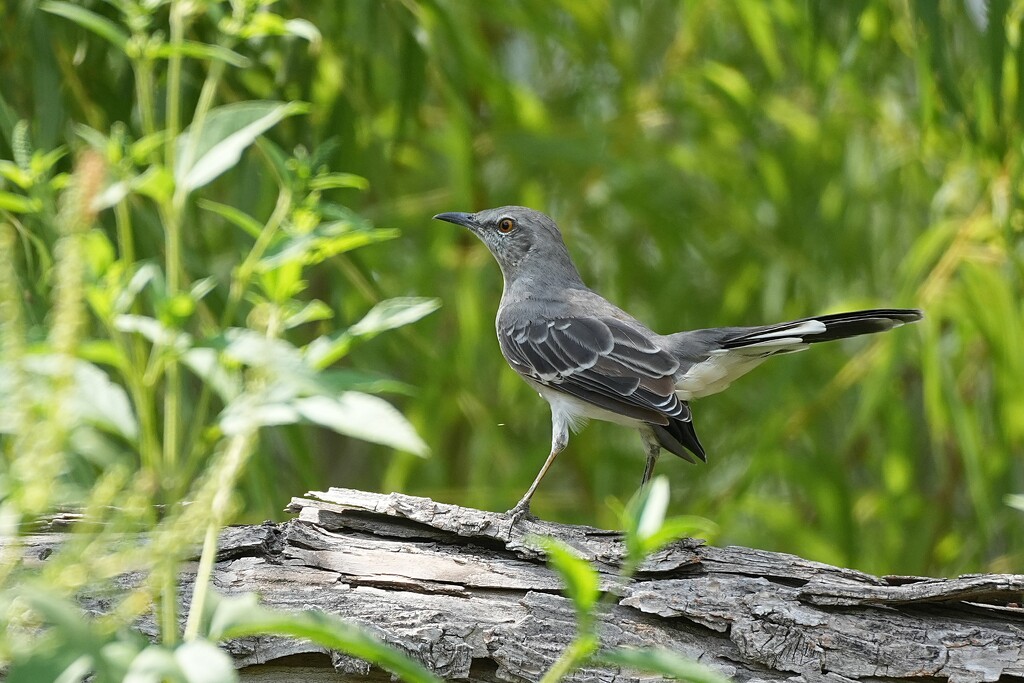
<point x="249" y="412"/>
<point x="15" y="174"/>
<point x="337" y="381"/>
<point x="227" y="131"/>
<point x="330" y="181"/>
<point x="300" y="28"/>
<point x="653" y="505"/>
<point x="663" y="662"/>
<point x="197" y="50"/>
<point x="155" y="664"/>
<point x="325" y="241"/>
<point x="314" y="310"/>
<point x="144" y="147"/>
<point x="77" y="670"/>
<point x="203" y="662"/>
<point x="257" y="350"/>
<point x="156" y="183"/>
<point x="16" y="203"/>
<point x="94" y="398"/>
<point x="242" y="616"/>
<point x="1015" y="500"/>
<point x="645" y="526"/>
<point x="581" y="579"/>
<point x="154" y="330"/>
<point x="88" y="20"/>
<point x="642" y="505"/>
<point x="393" y="313"/>
<point x="229" y="213"/>
<point x="111" y="195"/>
<point x="206" y="365"/>
<point x="387" y="315"/>
<point x="146" y="273"/>
<point x="365" y="417"/>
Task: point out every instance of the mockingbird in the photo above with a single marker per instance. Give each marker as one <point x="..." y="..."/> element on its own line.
<point x="590" y="359"/>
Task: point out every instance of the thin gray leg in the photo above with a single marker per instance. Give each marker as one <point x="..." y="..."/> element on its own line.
<point x="653" y="449"/>
<point x="559" y="440"/>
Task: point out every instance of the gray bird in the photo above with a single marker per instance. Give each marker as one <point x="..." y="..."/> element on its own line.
<point x="590" y="359"/>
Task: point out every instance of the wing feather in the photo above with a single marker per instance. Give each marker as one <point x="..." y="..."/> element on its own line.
<point x="600" y="360"/>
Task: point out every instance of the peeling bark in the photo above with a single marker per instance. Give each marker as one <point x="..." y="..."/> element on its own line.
<point x="469" y="596"/>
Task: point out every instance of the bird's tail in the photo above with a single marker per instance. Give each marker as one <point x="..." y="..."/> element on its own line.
<point x="679" y="437"/>
<point x="822" y="328"/>
<point x="710" y="360"/>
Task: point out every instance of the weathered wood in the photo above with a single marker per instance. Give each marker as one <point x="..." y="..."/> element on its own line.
<point x="469" y="595"/>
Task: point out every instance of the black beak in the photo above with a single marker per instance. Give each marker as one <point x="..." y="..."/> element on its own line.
<point x="456" y="217"/>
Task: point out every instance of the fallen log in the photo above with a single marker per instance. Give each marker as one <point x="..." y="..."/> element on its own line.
<point x="469" y="595"/>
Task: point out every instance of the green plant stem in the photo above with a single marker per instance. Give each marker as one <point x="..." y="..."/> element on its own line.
<point x="171" y="217"/>
<point x="235" y="456"/>
<point x="238" y="284"/>
<point x="144" y="95"/>
<point x="584" y="645"/>
<point x="174" y="62"/>
<point x="125" y="238"/>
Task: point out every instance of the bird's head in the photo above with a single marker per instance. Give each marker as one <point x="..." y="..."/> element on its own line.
<point x="520" y="239"/>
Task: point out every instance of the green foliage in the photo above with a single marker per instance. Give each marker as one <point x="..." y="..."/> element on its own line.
<point x="75" y="645"/>
<point x="138" y="368"/>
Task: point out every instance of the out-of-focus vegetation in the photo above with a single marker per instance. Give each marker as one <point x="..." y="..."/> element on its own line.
<point x="709" y="163"/>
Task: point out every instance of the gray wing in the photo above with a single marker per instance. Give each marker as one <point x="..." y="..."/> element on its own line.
<point x="603" y="361"/>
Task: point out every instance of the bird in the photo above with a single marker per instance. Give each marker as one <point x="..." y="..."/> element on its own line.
<point x="589" y="359"/>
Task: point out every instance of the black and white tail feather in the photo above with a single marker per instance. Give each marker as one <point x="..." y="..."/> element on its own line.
<point x="714" y="358"/>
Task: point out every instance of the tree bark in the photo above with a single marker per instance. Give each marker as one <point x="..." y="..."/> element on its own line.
<point x="470" y="596"/>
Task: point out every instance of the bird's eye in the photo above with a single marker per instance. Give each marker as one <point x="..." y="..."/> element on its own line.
<point x="506" y="225"/>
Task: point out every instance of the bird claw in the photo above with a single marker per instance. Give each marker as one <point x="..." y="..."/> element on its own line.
<point x="519" y="512"/>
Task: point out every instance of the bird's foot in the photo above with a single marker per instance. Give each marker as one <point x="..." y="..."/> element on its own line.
<point x="519" y="512"/>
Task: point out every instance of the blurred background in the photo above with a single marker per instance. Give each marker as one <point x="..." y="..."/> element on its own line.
<point x="709" y="164"/>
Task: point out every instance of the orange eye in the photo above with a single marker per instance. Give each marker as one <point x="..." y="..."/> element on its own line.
<point x="506" y="225"/>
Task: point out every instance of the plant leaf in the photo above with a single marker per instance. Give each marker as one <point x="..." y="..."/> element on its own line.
<point x="203" y="662"/>
<point x="393" y="313"/>
<point x="155" y="664"/>
<point x="339" y="180"/>
<point x="16" y="203"/>
<point x="226" y="132"/>
<point x="247" y="223"/>
<point x="94" y="398"/>
<point x="191" y="48"/>
<point x="88" y="20"/>
<point x="387" y="315"/>
<point x="581" y="580"/>
<point x="652" y="509"/>
<point x="364" y="417"/>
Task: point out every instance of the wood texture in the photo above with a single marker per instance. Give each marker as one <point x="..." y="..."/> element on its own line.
<point x="470" y="596"/>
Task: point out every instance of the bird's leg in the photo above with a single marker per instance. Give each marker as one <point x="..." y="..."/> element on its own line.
<point x="559" y="440"/>
<point x="653" y="449"/>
